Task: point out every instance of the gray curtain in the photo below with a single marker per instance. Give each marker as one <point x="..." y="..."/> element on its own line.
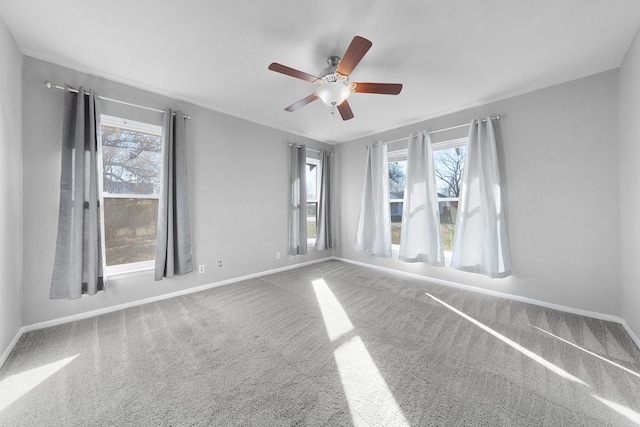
<point x="323" y="238"/>
<point x="173" y="240"/>
<point x="78" y="266"/>
<point x="298" y="201"/>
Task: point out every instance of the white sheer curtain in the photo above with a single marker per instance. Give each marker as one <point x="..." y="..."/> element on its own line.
<point x="374" y="227"/>
<point x="480" y="244"/>
<point x="298" y="201"/>
<point x="421" y="240"/>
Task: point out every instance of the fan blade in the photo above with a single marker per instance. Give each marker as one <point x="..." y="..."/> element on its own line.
<point x="304" y="101"/>
<point x="279" y="68"/>
<point x="345" y="110"/>
<point x="356" y="50"/>
<point x="381" y="88"/>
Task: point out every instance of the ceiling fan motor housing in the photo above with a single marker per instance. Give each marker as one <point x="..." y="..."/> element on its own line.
<point x="329" y="74"/>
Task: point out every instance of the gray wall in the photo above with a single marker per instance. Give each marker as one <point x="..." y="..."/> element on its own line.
<point x="629" y="185"/>
<point x="10" y="188"/>
<point x="559" y="159"/>
<point x="238" y="174"/>
<point x="560" y="165"/>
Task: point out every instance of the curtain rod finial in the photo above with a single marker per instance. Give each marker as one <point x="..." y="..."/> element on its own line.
<point x="47" y="84"/>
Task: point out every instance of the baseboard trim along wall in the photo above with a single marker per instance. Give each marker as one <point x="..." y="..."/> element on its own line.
<point x="12" y="344"/>
<point x="559" y="307"/>
<point x="93" y="313"/>
<point x="632" y="334"/>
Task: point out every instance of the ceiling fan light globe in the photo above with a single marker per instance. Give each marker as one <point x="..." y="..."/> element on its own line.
<point x="333" y="93"/>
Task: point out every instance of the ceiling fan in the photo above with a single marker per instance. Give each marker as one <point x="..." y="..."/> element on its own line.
<point x="333" y="83"/>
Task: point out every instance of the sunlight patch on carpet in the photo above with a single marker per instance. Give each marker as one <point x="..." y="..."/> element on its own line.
<point x="621" y="409"/>
<point x="550" y="366"/>
<point x="369" y="398"/>
<point x="335" y="319"/>
<point x="617" y="365"/>
<point x="14" y="387"/>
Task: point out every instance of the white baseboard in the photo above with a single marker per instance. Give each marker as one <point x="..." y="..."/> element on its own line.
<point x="632" y="334"/>
<point x="93" y="313"/>
<point x="559" y="307"/>
<point x="12" y="344"/>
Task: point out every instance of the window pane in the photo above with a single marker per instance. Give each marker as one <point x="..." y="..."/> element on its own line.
<point x="396" y="212"/>
<point x="312" y="182"/>
<point x="397" y="179"/>
<point x="396" y="222"/>
<point x="448" y="212"/>
<point x="449" y="164"/>
<point x="396" y="231"/>
<point x="312" y="211"/>
<point x="131" y="161"/>
<point x="130" y="230"/>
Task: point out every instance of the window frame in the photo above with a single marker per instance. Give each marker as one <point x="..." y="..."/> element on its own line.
<point x="445" y="145"/>
<point x="121" y="271"/>
<point x="403" y="155"/>
<point x="395" y="156"/>
<point x="316" y="163"/>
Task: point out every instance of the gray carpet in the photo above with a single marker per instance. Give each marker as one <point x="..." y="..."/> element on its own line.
<point x="394" y="351"/>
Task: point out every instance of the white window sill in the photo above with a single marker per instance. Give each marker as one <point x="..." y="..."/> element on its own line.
<point x="125" y="271"/>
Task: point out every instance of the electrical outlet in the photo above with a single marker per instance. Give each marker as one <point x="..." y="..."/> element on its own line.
<point x="277" y="255"/>
<point x="219" y="263"/>
<point x="201" y="268"/>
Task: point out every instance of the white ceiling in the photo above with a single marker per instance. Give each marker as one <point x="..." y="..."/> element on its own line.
<point x="449" y="54"/>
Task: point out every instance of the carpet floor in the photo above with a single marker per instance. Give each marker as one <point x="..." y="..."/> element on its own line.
<point x="329" y="344"/>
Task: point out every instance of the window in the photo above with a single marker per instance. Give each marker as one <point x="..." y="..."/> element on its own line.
<point x="448" y="159"/>
<point x="131" y="157"/>
<point x="397" y="182"/>
<point x="313" y="192"/>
